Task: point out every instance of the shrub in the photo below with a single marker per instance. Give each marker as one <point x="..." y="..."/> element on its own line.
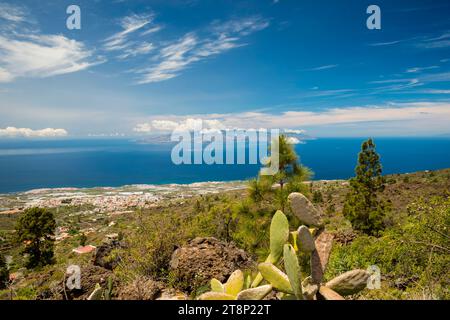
<point x="35" y="229"/>
<point x="415" y="254"/>
<point x="4" y="273"/>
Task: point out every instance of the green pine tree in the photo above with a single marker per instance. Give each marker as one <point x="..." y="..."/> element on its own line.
<point x="362" y="206"/>
<point x="290" y="176"/>
<point x="35" y="229"/>
<point x="4" y="272"/>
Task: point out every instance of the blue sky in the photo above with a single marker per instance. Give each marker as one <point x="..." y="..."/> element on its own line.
<point x="143" y="67"/>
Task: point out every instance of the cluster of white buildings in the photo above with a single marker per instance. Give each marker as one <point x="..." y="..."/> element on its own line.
<point x="101" y="203"/>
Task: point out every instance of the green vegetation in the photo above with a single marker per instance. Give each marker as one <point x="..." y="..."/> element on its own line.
<point x="290" y="177"/>
<point x="35" y="229"/>
<point x="362" y="206"/>
<point x="413" y="257"/>
<point x="4" y="272"/>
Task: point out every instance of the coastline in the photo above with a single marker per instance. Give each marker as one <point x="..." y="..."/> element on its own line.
<point x="112" y="199"/>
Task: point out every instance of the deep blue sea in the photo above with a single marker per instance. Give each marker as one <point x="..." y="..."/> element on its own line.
<point x="26" y="165"/>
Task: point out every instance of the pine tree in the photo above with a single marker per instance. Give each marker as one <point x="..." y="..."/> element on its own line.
<point x="4" y="273"/>
<point x="290" y="176"/>
<point x="35" y="228"/>
<point x="362" y="206"/>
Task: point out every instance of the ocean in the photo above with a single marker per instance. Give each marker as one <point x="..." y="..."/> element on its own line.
<point x="26" y="165"/>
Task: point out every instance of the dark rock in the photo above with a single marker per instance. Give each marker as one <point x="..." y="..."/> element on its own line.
<point x="90" y="276"/>
<point x="202" y="259"/>
<point x="103" y="257"/>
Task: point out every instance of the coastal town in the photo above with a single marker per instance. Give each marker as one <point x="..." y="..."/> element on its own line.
<point x="109" y="200"/>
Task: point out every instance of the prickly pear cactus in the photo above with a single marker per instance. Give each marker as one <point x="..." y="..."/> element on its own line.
<point x="289" y="283"/>
<point x="257" y="293"/>
<point x="292" y="268"/>
<point x="350" y="282"/>
<point x="329" y="294"/>
<point x="235" y="283"/>
<point x="233" y="289"/>
<point x="216" y="286"/>
<point x="305" y="240"/>
<point x="277" y="278"/>
<point x="279" y="235"/>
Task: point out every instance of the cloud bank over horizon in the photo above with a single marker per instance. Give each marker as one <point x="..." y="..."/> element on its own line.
<point x="13" y="132"/>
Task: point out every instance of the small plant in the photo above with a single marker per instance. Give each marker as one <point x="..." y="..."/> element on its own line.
<point x="82" y="239"/>
<point x="317" y="197"/>
<point x="96" y="293"/>
<point x="102" y="294"/>
<point x="108" y="291"/>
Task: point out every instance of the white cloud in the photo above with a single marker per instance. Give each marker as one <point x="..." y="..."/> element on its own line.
<point x="12" y="13"/>
<point x="181" y="53"/>
<point x="293" y="140"/>
<point x="294" y="131"/>
<point x="325" y="67"/>
<point x="25" y="52"/>
<point x="419" y="112"/>
<point x="240" y="27"/>
<point x="30" y="133"/>
<point x="142" y="48"/>
<point x="151" y="30"/>
<point x="433" y="91"/>
<point x="42" y="56"/>
<point x="130" y="25"/>
<point x="316" y="93"/>
<point x="380" y="44"/>
<point x="441" y="41"/>
<point x="420" y="69"/>
<point x="187" y="124"/>
<point x="174" y="58"/>
<point x="403" y="84"/>
<point x="143" y="128"/>
<point x="397" y="84"/>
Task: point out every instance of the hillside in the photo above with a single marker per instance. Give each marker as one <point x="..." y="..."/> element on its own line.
<point x="144" y="229"/>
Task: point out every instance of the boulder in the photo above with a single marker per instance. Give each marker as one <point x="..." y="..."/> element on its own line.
<point x="350" y="282"/>
<point x="103" y="257"/>
<point x="90" y="276"/>
<point x="304" y="210"/>
<point x="320" y="256"/>
<point x="202" y="259"/>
